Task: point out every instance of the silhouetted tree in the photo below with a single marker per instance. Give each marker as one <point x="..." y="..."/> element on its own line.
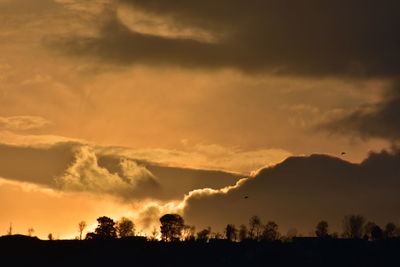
<point x="10" y="230"/>
<point x="105" y="228"/>
<point x="270" y="232"/>
<point x="243" y="232"/>
<point x="204" y="235"/>
<point x="125" y="227"/>
<point x="50" y="236"/>
<point x="255" y="226"/>
<point x="30" y="231"/>
<point x="231" y="232"/>
<point x="81" y="226"/>
<point x="353" y="226"/>
<point x="322" y="229"/>
<point x="171" y="227"/>
<point x="376" y="233"/>
<point x="369" y="226"/>
<point x="390" y="229"/>
<point x="188" y="232"/>
<point x="154" y="234"/>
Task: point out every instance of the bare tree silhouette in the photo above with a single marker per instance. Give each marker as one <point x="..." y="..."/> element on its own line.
<point x="353" y="226"/>
<point x="81" y="226"/>
<point x="270" y="232"/>
<point x="231" y="232"/>
<point x="255" y="226"/>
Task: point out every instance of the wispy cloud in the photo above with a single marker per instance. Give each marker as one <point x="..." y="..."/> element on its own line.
<point x="23" y="123"/>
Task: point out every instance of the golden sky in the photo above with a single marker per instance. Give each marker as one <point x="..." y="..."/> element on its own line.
<point x="117" y="107"/>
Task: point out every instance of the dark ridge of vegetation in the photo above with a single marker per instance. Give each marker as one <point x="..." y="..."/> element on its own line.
<point x="112" y="243"/>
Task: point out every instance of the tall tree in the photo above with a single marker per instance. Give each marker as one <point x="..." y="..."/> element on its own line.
<point x="255" y="226"/>
<point x="171" y="227"/>
<point x="368" y="228"/>
<point x="353" y="226"/>
<point x="270" y="232"/>
<point x="125" y="227"/>
<point x="243" y="232"/>
<point x="376" y="233"/>
<point x="231" y="232"/>
<point x="81" y="227"/>
<point x="322" y="229"/>
<point x="105" y="228"/>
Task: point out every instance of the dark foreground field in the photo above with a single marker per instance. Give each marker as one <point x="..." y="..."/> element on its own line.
<point x="25" y="251"/>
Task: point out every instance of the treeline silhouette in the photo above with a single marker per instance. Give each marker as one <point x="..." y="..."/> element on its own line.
<point x="174" y="229"/>
<point x="112" y="243"/>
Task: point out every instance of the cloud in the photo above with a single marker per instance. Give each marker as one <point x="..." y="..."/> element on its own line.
<point x="85" y="175"/>
<point x="204" y="156"/>
<point x="377" y="120"/>
<point x="352" y="40"/>
<point x="313" y="38"/>
<point x="303" y="190"/>
<point x="72" y="167"/>
<point x="79" y="167"/>
<point x="23" y="123"/>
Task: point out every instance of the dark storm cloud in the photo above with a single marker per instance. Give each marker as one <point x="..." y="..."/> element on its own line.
<point x="380" y="120"/>
<point x="355" y="37"/>
<point x="303" y="190"/>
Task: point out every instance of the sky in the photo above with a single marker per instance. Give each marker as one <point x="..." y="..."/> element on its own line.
<point x="139" y="108"/>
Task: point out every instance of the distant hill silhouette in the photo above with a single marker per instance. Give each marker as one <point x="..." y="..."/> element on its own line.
<point x="18" y="238"/>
